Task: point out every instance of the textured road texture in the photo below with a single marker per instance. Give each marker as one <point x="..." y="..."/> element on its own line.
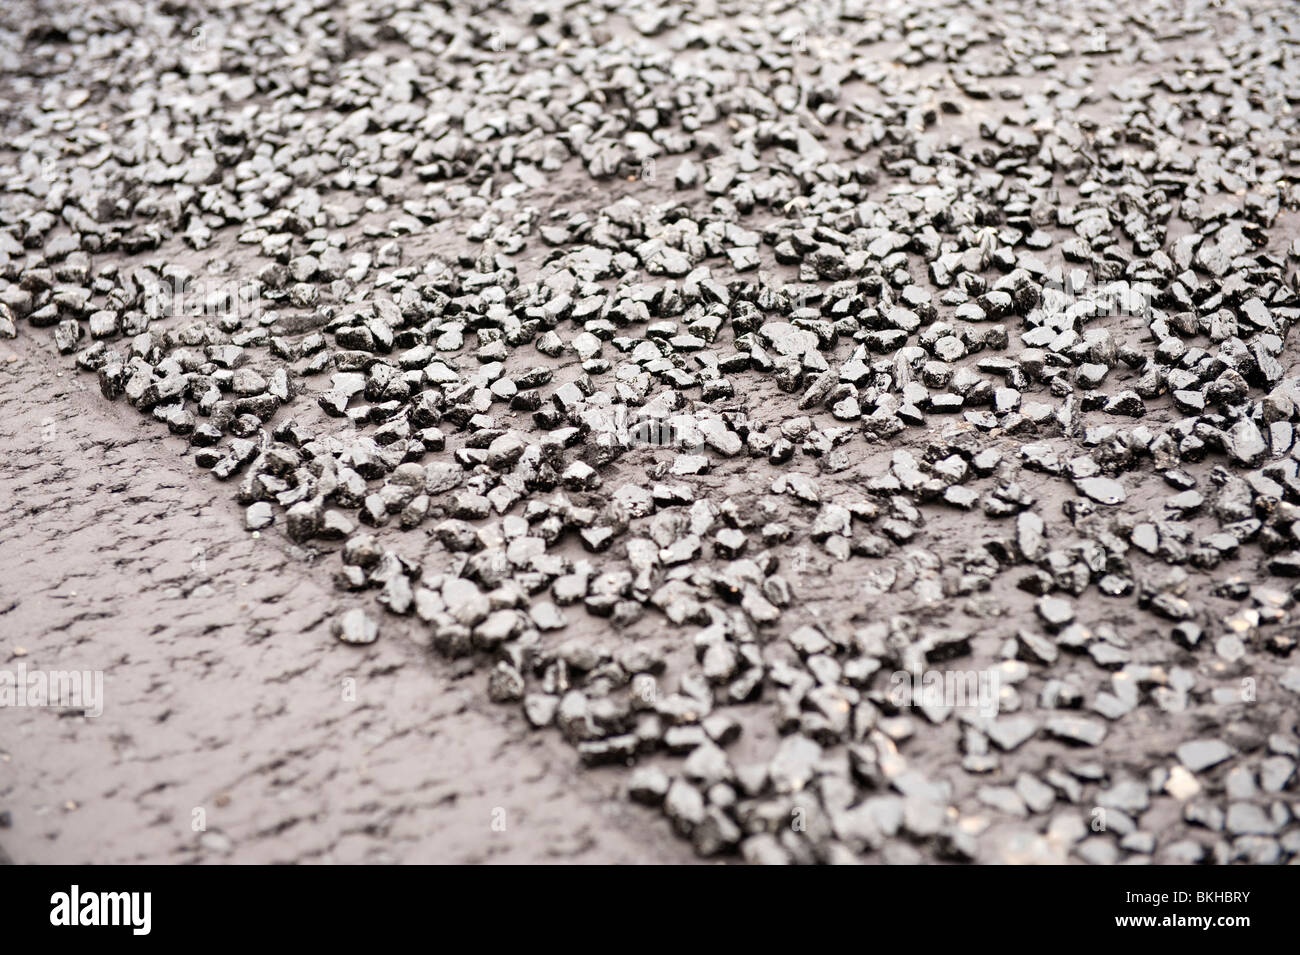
<point x="765" y="432"/>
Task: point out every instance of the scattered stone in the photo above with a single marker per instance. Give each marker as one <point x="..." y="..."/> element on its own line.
<point x="355" y="627"/>
<point x="1200" y="755"/>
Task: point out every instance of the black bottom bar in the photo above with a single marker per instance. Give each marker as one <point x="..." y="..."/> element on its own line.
<point x="1222" y="905"/>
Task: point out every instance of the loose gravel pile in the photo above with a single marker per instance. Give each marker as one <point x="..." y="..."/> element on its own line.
<point x="709" y="372"/>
